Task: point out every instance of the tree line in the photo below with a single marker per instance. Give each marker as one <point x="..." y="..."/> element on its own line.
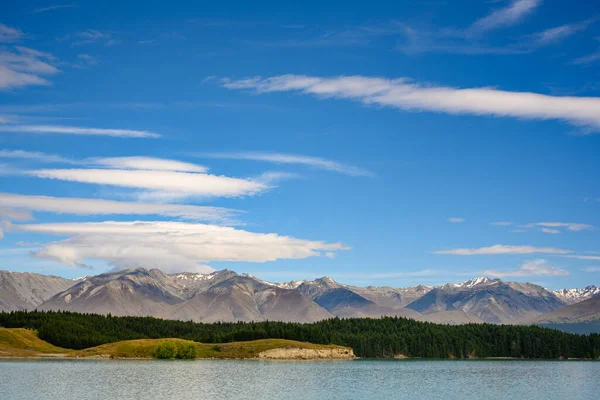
<point x="368" y="337"/>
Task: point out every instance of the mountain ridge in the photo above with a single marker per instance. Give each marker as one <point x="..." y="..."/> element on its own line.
<point x="229" y="296"/>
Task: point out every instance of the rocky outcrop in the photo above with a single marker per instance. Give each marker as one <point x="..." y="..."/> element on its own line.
<point x="26" y="290"/>
<point x="338" y="353"/>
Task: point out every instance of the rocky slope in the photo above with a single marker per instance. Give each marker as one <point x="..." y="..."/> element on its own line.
<point x="489" y="300"/>
<point x="220" y="296"/>
<point x="355" y="302"/>
<point x="25" y="290"/>
<point x="572" y="296"/>
<point x="307" y="354"/>
<point x="128" y="292"/>
<point x="583" y="312"/>
<point x="228" y="296"/>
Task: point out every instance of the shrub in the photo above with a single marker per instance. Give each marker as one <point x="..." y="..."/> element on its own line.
<point x="186" y="351"/>
<point x="165" y="350"/>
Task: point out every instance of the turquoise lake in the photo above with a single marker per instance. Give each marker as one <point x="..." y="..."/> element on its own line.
<point x="252" y="379"/>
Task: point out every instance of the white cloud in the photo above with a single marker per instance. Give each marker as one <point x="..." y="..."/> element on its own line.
<point x="73" y="130"/>
<point x="8" y="34"/>
<point x="559" y="33"/>
<point x="550" y="230"/>
<point x="530" y="268"/>
<point x="511" y="15"/>
<point x="503" y="249"/>
<point x="456" y="220"/>
<point x="501" y="223"/>
<point x="170" y="246"/>
<point x="280" y="158"/>
<point x="569" y="225"/>
<point x="24" y="67"/>
<point x="35" y="156"/>
<point x="160" y="184"/>
<point x="592" y="269"/>
<point x="54" y="7"/>
<point x="90" y="36"/>
<point x="83" y="206"/>
<point x="579" y="257"/>
<point x="130" y="162"/>
<point x="407" y="95"/>
<point x="148" y="163"/>
<point x="589" y="59"/>
<point x="8" y="214"/>
<point x="87" y="59"/>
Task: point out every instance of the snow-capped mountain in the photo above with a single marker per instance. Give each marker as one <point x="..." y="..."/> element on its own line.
<point x="572" y="296"/>
<point x="482" y="280"/>
<point x="228" y="296"/>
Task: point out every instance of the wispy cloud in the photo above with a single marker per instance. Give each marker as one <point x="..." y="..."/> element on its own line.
<point x="503" y="249"/>
<point x="407" y="95"/>
<point x="17" y="203"/>
<point x="90" y="36"/>
<point x="170" y="246"/>
<point x="127" y="162"/>
<point x="86" y="59"/>
<point x="456" y="220"/>
<point x="147" y="163"/>
<point x="35" y="156"/>
<point x="530" y="268"/>
<point x="550" y="230"/>
<point x="592" y="269"/>
<point x="8" y="34"/>
<point x="558" y="33"/>
<point x="514" y="13"/>
<point x="24" y="66"/>
<point x="582" y="257"/>
<point x="73" y="130"/>
<point x="160" y="185"/>
<point x="501" y="223"/>
<point x="281" y="158"/>
<point x="572" y="226"/>
<point x="472" y="40"/>
<point x="589" y="59"/>
<point x="53" y="7"/>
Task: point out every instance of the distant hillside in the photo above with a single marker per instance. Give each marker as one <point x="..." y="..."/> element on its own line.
<point x="572" y="296"/>
<point x="221" y="296"/>
<point x="26" y="290"/>
<point x="228" y="296"/>
<point x="488" y="300"/>
<point x="587" y="311"/>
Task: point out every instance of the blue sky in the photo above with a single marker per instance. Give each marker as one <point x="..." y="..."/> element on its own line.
<point x="377" y="143"/>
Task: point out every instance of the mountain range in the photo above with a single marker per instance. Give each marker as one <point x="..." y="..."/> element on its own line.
<point x="228" y="296"/>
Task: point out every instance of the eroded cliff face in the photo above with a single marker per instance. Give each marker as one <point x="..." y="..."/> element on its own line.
<point x="307" y="354"/>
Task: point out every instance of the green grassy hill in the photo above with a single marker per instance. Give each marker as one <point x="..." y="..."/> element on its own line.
<point x="17" y="342"/>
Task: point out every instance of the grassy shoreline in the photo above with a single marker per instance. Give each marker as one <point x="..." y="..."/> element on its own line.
<point x="24" y="343"/>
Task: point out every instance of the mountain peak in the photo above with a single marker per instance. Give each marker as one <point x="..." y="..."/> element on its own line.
<point x="576" y="295"/>
<point x="327" y="281"/>
<point x="482" y="280"/>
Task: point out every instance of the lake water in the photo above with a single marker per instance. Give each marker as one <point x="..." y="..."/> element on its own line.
<point x="251" y="379"/>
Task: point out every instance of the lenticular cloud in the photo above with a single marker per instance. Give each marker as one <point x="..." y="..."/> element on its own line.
<point x="170" y="246"/>
<point x="408" y="95"/>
